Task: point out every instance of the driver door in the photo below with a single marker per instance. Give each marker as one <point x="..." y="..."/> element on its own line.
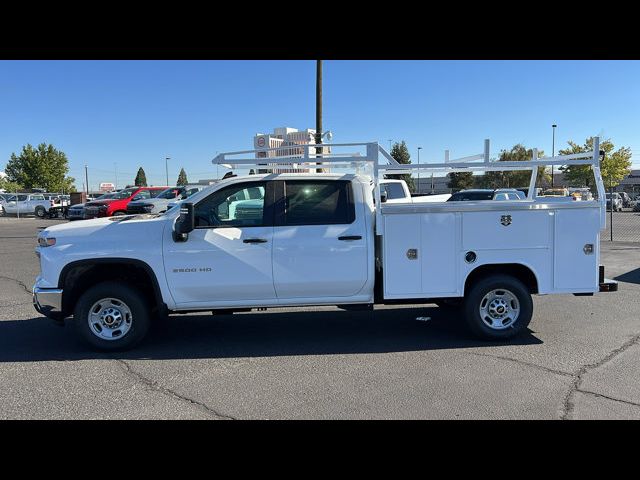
<point x="226" y="260"/>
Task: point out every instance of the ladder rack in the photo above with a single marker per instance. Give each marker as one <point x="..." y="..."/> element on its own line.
<point x="373" y="154"/>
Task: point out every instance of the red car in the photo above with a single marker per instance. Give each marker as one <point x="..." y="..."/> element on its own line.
<point x="118" y="204"/>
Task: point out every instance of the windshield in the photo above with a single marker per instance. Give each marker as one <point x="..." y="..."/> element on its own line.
<point x="170" y="193"/>
<point x="106" y="195"/>
<point x="126" y="193"/>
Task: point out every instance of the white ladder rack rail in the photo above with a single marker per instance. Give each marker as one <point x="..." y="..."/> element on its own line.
<point x="374" y="151"/>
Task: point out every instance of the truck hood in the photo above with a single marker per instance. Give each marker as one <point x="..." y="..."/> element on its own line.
<point x="107" y="226"/>
<point x="97" y="203"/>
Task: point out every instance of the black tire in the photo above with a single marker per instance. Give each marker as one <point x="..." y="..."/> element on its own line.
<point x="475" y="297"/>
<point x="132" y="299"/>
<point x="119" y="213"/>
<point x="40" y="211"/>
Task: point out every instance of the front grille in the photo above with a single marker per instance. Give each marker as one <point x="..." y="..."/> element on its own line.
<point x="138" y="208"/>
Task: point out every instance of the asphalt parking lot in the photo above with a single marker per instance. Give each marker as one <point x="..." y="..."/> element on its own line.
<point x="580" y="359"/>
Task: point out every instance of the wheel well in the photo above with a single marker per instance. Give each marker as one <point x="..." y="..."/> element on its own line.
<point x="517" y="270"/>
<point x="77" y="278"/>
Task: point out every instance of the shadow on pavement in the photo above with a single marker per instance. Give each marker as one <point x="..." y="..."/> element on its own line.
<point x="256" y="335"/>
<point x="632" y="276"/>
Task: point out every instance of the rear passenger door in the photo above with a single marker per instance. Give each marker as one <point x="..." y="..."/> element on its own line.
<point x="319" y="243"/>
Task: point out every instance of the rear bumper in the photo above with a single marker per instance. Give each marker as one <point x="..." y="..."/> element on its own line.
<point x="48" y="302"/>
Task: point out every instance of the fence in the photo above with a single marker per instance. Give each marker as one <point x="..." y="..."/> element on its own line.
<point x="622" y="226"/>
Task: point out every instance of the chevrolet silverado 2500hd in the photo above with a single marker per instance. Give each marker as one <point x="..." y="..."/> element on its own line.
<point x="299" y="239"/>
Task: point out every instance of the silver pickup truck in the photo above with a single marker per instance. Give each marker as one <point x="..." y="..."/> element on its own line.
<point x="27" y="204"/>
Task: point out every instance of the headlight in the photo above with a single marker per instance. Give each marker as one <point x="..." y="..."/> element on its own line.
<point x="46" y="241"/>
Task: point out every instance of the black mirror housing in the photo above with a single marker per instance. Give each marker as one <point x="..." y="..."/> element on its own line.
<point x="383" y="197"/>
<point x="185" y="223"/>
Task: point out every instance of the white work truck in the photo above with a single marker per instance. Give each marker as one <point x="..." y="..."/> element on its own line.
<point x="301" y="239"/>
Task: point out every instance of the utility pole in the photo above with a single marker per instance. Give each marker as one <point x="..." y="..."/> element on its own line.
<point x="86" y="178"/>
<point x="318" y="109"/>
<point x="115" y="167"/>
<point x="553" y="150"/>
<point x="166" y="167"/>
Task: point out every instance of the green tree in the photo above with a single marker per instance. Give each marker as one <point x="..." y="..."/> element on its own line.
<point x="8" y="186"/>
<point x="400" y="153"/>
<point x="141" y="178"/>
<point x="182" y="178"/>
<point x="40" y="167"/>
<point x="513" y="179"/>
<point x="615" y="166"/>
<point x="460" y="180"/>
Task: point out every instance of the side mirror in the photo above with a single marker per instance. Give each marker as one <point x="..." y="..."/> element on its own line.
<point x="383" y="197"/>
<point x="185" y="223"/>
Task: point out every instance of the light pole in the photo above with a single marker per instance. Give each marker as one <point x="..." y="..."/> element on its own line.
<point x="318" y="110"/>
<point x="390" y="140"/>
<point x="419" y="148"/>
<point x="86" y="178"/>
<point x="166" y="167"/>
<point x="115" y="168"/>
<point x="553" y="150"/>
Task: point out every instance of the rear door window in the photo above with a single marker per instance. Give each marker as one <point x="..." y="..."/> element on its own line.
<point x="142" y="195"/>
<point x="155" y="193"/>
<point x="393" y="190"/>
<point x="318" y="202"/>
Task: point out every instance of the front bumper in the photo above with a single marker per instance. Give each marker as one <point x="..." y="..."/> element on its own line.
<point x="48" y="302"/>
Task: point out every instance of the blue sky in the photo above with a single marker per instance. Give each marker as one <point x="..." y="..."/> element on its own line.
<point x="127" y="114"/>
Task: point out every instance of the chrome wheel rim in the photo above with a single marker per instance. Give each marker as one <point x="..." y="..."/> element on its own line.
<point x="499" y="309"/>
<point x="110" y="319"/>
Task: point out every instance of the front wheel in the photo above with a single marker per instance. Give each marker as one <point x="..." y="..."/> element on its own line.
<point x="498" y="307"/>
<point x="111" y="316"/>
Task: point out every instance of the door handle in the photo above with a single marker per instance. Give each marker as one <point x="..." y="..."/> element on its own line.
<point x="255" y="240"/>
<point x="351" y="237"/>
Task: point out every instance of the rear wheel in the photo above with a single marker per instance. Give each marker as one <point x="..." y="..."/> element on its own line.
<point x="111" y="316"/>
<point x="498" y="307"/>
<point x="40" y="211"/>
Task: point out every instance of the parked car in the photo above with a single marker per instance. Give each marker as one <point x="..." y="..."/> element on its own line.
<point x="27" y="204"/>
<point x="581" y="194"/>
<point x="161" y="203"/>
<point x="118" y="204"/>
<point x="76" y="212"/>
<point x="476" y="194"/>
<point x="555" y="192"/>
<point x="189" y="190"/>
<point x="617" y="202"/>
<point x="626" y="199"/>
<point x="397" y="191"/>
